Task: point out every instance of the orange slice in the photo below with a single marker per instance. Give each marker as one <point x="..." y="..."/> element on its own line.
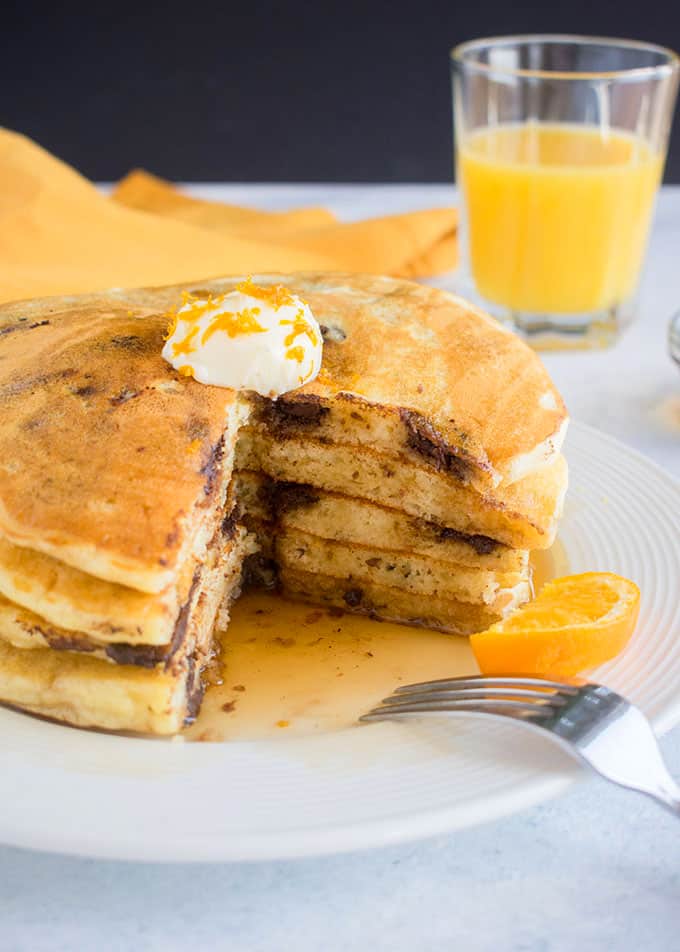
<point x="576" y="622"/>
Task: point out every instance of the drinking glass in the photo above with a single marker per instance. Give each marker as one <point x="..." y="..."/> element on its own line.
<point x="560" y="147"/>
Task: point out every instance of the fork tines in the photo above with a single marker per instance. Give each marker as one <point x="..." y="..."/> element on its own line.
<point x="510" y="696"/>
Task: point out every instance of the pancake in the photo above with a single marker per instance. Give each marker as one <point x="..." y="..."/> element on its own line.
<point x="86" y="692"/>
<point x="24" y="628"/>
<point x="106" y="453"/>
<point x="348" y="419"/>
<point x="300" y="551"/>
<point x="350" y="519"/>
<point x="408" y="482"/>
<point x="427" y="366"/>
<point x="83" y="386"/>
<point x="390" y="604"/>
<point x="152" y="695"/>
<point x="524" y="516"/>
<point x="108" y="612"/>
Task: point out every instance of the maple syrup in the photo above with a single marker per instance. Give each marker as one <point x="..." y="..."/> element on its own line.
<point x="287" y="668"/>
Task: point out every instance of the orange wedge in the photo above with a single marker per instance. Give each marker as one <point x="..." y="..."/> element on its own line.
<point x="576" y="623"/>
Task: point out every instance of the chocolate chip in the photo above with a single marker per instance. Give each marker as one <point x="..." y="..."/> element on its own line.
<point x="21" y="325"/>
<point x="302" y="412"/>
<point x="148" y="656"/>
<point x="288" y="496"/>
<point x="353" y="597"/>
<point x="86" y="391"/>
<point x="143" y="656"/>
<point x="64" y="642"/>
<point x="481" y="544"/>
<point x="212" y="467"/>
<point x="427" y="442"/>
<point x="332" y="334"/>
<point x="123" y="396"/>
<point x="230" y="524"/>
<point x="195" y="692"/>
<point x="131" y="342"/>
<point x="261" y="571"/>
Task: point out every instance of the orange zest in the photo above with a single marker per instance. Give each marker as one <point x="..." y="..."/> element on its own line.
<point x="276" y="295"/>
<point x="243" y="322"/>
<point x="299" y="325"/>
<point x="187" y="345"/>
<point x="189" y="310"/>
<point x="296" y="353"/>
<point x="575" y="623"/>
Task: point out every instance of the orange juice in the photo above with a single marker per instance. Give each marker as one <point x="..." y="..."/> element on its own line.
<point x="558" y="214"/>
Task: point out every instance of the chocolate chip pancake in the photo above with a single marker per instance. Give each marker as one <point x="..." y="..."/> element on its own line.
<point x="408" y="481"/>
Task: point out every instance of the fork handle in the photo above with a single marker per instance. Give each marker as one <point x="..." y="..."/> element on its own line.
<point x="660" y="786"/>
<point x="668" y="798"/>
<point x="666" y="794"/>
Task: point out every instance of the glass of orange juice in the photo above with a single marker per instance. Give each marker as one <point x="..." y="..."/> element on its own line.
<point x="560" y="147"/>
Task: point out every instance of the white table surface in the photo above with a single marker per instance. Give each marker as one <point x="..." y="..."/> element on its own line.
<point x="595" y="870"/>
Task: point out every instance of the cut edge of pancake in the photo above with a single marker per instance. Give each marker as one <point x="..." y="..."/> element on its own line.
<point x="526" y="518"/>
<point x="302" y="551"/>
<point x="389" y="604"/>
<point x="514" y="503"/>
<point x="342" y="518"/>
<point x="84" y="690"/>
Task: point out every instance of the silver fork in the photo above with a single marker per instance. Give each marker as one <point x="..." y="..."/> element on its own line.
<point x="592" y="723"/>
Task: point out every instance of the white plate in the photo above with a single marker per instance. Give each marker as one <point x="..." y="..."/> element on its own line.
<point x="97" y="795"/>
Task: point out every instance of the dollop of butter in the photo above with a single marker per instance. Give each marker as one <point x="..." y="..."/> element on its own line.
<point x="264" y="339"/>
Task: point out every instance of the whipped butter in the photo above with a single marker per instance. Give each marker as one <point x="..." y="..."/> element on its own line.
<point x="264" y="339"/>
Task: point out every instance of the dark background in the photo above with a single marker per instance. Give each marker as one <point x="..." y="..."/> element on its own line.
<point x="351" y="92"/>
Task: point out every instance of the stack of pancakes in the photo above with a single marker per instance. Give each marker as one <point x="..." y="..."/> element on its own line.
<point x="409" y="481"/>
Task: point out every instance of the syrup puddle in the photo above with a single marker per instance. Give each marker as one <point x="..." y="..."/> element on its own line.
<point x="292" y="669"/>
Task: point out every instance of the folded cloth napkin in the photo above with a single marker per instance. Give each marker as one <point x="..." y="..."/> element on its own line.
<point x="60" y="235"/>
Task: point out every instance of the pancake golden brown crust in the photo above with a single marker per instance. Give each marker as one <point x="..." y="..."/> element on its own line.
<point x="104" y="449"/>
<point x="457" y="380"/>
<point x="82" y="383"/>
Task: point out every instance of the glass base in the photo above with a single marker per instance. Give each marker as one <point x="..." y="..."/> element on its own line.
<point x="591" y="330"/>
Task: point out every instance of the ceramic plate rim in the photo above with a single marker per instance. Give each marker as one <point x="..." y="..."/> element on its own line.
<point x="396" y="827"/>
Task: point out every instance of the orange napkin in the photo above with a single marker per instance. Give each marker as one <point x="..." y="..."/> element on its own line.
<point x="59" y="235"/>
<point x="149" y="193"/>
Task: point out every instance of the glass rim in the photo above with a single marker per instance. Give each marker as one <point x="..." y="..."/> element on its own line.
<point x="459" y="60"/>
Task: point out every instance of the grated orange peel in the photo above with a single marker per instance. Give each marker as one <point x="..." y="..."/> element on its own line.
<point x="576" y="623"/>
